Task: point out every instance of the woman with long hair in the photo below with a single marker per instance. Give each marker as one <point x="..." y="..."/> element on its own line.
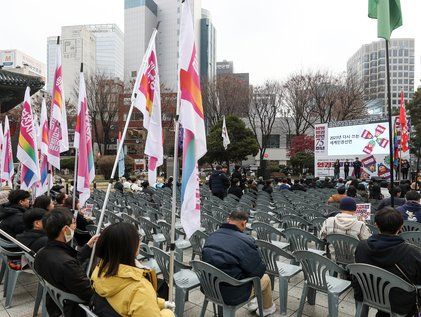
<point x="130" y="290"/>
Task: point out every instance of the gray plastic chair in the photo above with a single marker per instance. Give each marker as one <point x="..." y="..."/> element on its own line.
<point x="209" y="223"/>
<point x="184" y="278"/>
<point x="375" y="284"/>
<point x="41" y="291"/>
<point x="274" y="268"/>
<point x="293" y="221"/>
<point x="60" y="296"/>
<point x="150" y="231"/>
<point x="88" y="311"/>
<point x="411" y="226"/>
<point x="266" y="232"/>
<point x="300" y="239"/>
<point x="344" y="247"/>
<point x="318" y="271"/>
<point x="262" y="216"/>
<point x="210" y="280"/>
<point x="316" y="225"/>
<point x="180" y="244"/>
<point x="413" y="237"/>
<point x="197" y="241"/>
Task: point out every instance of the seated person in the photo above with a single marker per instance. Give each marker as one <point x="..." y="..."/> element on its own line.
<point x="60" y="265"/>
<point x="11" y="214"/>
<point x="235" y="188"/>
<point x="389" y="251"/>
<point x="411" y="210"/>
<point x="236" y="253"/>
<point x="298" y="186"/>
<point x="268" y="187"/>
<point x="335" y="198"/>
<point x="43" y="202"/>
<point x="284" y="185"/>
<point x="397" y="200"/>
<point x="60" y="199"/>
<point x="130" y="290"/>
<point x="346" y="222"/>
<point x="81" y="220"/>
<point x="34" y="236"/>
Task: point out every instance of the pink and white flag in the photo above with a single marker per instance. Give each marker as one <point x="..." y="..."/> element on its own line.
<point x="83" y="142"/>
<point x="192" y="120"/>
<point x="1" y="148"/>
<point x="46" y="181"/>
<point x="7" y="169"/>
<point x="147" y="98"/>
<point x="27" y="152"/>
<point x="58" y="134"/>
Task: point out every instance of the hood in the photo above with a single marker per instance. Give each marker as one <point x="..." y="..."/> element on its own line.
<point x="383" y="249"/>
<point x="110" y="286"/>
<point x="9" y="210"/>
<point x="411" y="206"/>
<point x="345" y="221"/>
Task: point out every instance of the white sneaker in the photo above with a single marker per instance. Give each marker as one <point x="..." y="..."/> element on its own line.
<point x="252" y="305"/>
<point x="267" y="311"/>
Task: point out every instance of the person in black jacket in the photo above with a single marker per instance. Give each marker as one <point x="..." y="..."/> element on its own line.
<point x="357" y="168"/>
<point x="11" y="214"/>
<point x="34" y="236"/>
<point x="346" y="168"/>
<point x="236" y="253"/>
<point x="235" y="188"/>
<point x="398" y="201"/>
<point x="60" y="265"/>
<point x="219" y="182"/>
<point x="389" y="251"/>
<point x="237" y="174"/>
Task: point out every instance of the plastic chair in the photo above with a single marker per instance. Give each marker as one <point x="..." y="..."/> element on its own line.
<point x="375" y="284"/>
<point x="184" y="278"/>
<point x="88" y="311"/>
<point x="197" y="241"/>
<point x="300" y="239"/>
<point x="41" y="291"/>
<point x="209" y="223"/>
<point x="268" y="233"/>
<point x="262" y="216"/>
<point x="180" y="244"/>
<point x="344" y="247"/>
<point x="274" y="268"/>
<point x="59" y="296"/>
<point x="210" y="280"/>
<point x="150" y="231"/>
<point x="317" y="224"/>
<point x="413" y="237"/>
<point x="292" y="221"/>
<point x="411" y="226"/>
<point x="318" y="271"/>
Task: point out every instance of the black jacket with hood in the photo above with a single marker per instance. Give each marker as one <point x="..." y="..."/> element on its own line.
<point x="410" y="206"/>
<point x="33" y="239"/>
<point x="386" y="251"/>
<point x="218" y="182"/>
<point x="11" y="219"/>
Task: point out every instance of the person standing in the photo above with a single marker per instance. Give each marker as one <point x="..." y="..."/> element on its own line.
<point x="336" y="169"/>
<point x="346" y="168"/>
<point x="219" y="182"/>
<point x="405" y="169"/>
<point x="357" y="168"/>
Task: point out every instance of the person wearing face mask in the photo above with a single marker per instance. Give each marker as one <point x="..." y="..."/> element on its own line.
<point x="236" y="253"/>
<point x="11" y="214"/>
<point x="60" y="265"/>
<point x="120" y="282"/>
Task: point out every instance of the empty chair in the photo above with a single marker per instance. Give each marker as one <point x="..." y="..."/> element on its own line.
<point x="300" y="240"/>
<point x="292" y="221"/>
<point x="197" y="241"/>
<point x="274" y="268"/>
<point x="411" y="226"/>
<point x="211" y="279"/>
<point x="376" y="286"/>
<point x="268" y="233"/>
<point x="344" y="247"/>
<point x="413" y="237"/>
<point x="318" y="271"/>
<point x="151" y="232"/>
<point x="262" y="216"/>
<point x="317" y="224"/>
<point x="180" y="243"/>
<point x="209" y="223"/>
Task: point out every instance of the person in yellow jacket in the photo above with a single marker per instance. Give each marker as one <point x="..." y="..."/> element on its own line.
<point x="128" y="289"/>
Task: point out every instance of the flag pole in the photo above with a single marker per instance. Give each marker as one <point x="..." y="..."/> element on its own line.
<point x="389" y="114"/>
<point x="110" y="183"/>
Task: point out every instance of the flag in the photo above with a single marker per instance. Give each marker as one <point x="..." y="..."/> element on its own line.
<point x="403" y="125"/>
<point x="7" y="169"/>
<point x="57" y="135"/>
<point x="45" y="182"/>
<point x="147" y="98"/>
<point x="121" y="168"/>
<point x="27" y="152"/>
<point x="83" y="142"/>
<point x="388" y="14"/>
<point x="1" y="149"/>
<point x="225" y="137"/>
<point x="192" y="119"/>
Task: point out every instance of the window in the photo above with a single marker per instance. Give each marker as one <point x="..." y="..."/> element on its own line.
<point x="134" y="74"/>
<point x="273" y="141"/>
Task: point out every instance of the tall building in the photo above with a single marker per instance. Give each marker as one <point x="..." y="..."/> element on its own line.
<point x="19" y="62"/>
<point x="207" y="47"/>
<point x="140" y="18"/>
<point x="368" y="64"/>
<point x="51" y="61"/>
<point x="109" y="50"/>
<point x="224" y="67"/>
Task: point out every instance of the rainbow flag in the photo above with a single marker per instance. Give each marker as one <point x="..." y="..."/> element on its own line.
<point x="44" y="184"/>
<point x="191" y="117"/>
<point x="7" y="170"/>
<point x="27" y="152"/>
<point x="83" y="142"/>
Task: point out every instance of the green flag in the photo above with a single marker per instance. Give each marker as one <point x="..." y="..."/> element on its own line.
<point x="388" y="14"/>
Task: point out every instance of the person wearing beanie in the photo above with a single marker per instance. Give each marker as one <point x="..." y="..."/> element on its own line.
<point x="346" y="222"/>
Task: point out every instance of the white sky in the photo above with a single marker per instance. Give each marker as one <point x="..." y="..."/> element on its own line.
<point x="267" y="38"/>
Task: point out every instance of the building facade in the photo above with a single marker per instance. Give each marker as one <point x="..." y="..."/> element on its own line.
<point x="224" y="67"/>
<point x="368" y="64"/>
<point x="19" y="62"/>
<point x="207" y="47"/>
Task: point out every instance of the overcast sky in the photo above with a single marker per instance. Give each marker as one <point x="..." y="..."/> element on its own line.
<point x="270" y="39"/>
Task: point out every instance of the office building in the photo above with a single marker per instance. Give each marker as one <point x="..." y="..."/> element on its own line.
<point x="19" y="62"/>
<point x="224" y="67"/>
<point x="368" y="65"/>
<point x="207" y="47"/>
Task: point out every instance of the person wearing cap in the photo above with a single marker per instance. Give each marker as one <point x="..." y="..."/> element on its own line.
<point x="346" y="222"/>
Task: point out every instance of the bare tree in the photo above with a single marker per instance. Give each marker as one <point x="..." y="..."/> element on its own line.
<point x="265" y="106"/>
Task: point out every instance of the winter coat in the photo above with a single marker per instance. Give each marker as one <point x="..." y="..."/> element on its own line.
<point x="410" y="206"/>
<point x="59" y="264"/>
<point x="345" y="224"/>
<point x="33" y="239"/>
<point x="11" y="219"/>
<point x="385" y="251"/>
<point x="130" y="293"/>
<point x="346" y="166"/>
<point x="388" y="202"/>
<point x="236" y="190"/>
<point x="218" y="182"/>
<point x="357" y="165"/>
<point x="236" y="254"/>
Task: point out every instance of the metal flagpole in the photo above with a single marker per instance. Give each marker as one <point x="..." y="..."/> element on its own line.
<point x="110" y="183"/>
<point x="389" y="114"/>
